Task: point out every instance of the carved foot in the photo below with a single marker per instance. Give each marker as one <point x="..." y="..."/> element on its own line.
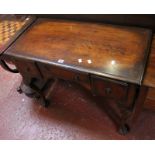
<point x="19" y="90"/>
<point x="27" y="90"/>
<point x="40" y="90"/>
<point x="45" y="99"/>
<point x="124" y="129"/>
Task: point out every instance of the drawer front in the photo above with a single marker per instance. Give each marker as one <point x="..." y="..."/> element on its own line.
<point x="50" y="71"/>
<point x="109" y="88"/>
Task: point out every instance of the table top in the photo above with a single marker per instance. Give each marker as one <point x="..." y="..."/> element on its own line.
<point x="149" y="78"/>
<point x="116" y="52"/>
<point x="11" y="26"/>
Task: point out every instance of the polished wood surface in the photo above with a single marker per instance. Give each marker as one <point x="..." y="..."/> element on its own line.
<point x="111" y="51"/>
<point x="149" y="78"/>
<point x="11" y="26"/>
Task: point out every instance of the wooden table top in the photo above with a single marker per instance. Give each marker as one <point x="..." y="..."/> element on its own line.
<point x="149" y="78"/>
<point x="115" y="52"/>
<point x="11" y="26"/>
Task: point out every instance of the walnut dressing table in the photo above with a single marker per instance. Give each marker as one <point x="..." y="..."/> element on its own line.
<point x="108" y="60"/>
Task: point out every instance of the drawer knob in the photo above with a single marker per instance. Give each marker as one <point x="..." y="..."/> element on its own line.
<point x="108" y="90"/>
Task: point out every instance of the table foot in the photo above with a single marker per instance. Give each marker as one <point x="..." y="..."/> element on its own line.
<point x="124" y="129"/>
<point x="27" y="90"/>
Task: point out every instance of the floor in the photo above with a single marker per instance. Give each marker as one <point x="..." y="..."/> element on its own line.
<point x="72" y="115"/>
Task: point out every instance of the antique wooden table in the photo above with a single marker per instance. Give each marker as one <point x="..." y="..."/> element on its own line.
<point x="108" y="60"/>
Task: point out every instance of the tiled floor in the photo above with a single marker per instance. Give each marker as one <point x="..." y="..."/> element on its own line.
<point x="73" y="115"/>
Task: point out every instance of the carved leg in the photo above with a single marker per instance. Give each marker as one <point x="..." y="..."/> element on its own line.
<point x="133" y="114"/>
<point x="51" y="88"/>
<point x="32" y="87"/>
<point x="45" y="97"/>
<point x="36" y="88"/>
<point x="27" y="90"/>
<point x="139" y="103"/>
<point x="126" y="110"/>
<point x="25" y="86"/>
<point x="40" y="94"/>
<point x="124" y="127"/>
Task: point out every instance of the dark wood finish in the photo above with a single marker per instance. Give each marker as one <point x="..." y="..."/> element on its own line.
<point x="62" y="73"/>
<point x="149" y="78"/>
<point x="27" y="68"/>
<point x="131" y="96"/>
<point x="108" y="60"/>
<point x="106" y="50"/>
<point x="151" y="93"/>
<point x="149" y="104"/>
<point x="150" y="99"/>
<point x="139" y="102"/>
<point x="109" y="88"/>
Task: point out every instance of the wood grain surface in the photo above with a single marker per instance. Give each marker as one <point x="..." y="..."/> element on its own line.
<point x="115" y="52"/>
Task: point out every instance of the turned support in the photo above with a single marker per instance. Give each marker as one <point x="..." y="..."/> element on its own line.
<point x="36" y="88"/>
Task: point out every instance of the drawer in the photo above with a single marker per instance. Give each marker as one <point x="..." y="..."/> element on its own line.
<point x="50" y="71"/>
<point x="27" y="67"/>
<point x="109" y="88"/>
